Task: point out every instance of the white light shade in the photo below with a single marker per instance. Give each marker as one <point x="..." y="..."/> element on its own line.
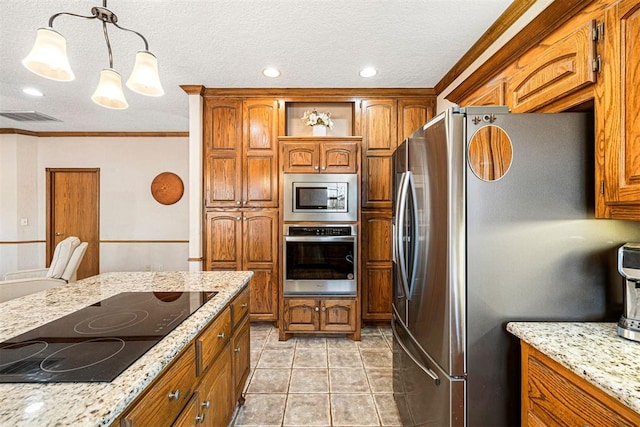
<point x="109" y="91"/>
<point x="271" y="72"/>
<point x="144" y="78"/>
<point x="48" y="57"/>
<point x="368" y="72"/>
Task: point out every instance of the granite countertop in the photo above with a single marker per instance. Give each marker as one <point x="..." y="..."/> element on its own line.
<point x="593" y="351"/>
<point x="99" y="404"/>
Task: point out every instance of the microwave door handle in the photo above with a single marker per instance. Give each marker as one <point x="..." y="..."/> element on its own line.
<point x="415" y="234"/>
<point x="402" y="262"/>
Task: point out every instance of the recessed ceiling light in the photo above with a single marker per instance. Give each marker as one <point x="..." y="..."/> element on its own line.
<point x="32" y="91"/>
<point x="271" y="72"/>
<point x="368" y="72"/>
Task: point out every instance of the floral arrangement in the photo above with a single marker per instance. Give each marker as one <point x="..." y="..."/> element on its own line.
<point x="313" y="118"/>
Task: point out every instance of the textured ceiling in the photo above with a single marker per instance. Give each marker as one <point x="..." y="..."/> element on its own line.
<point x="226" y="43"/>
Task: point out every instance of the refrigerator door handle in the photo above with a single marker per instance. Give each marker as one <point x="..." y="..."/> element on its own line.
<point x="415" y="239"/>
<point x="400" y="213"/>
<point x="426" y="370"/>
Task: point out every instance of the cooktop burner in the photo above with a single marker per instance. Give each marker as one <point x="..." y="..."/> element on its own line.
<point x="100" y="341"/>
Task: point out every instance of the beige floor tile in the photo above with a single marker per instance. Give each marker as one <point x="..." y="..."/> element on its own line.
<point x="380" y="380"/>
<point x="276" y="358"/>
<point x="373" y="341"/>
<point x="310" y="358"/>
<point x="387" y="409"/>
<point x="342" y="342"/>
<point x="269" y="381"/>
<point x="353" y="410"/>
<point x="255" y="356"/>
<point x="307" y="410"/>
<point x="348" y="380"/>
<point x="309" y="381"/>
<point x="261" y="410"/>
<point x="341" y="358"/>
<point x="273" y="341"/>
<point x="369" y="330"/>
<point x="376" y="358"/>
<point x="311" y="341"/>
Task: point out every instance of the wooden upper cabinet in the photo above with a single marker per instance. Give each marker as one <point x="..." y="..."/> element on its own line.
<point x="260" y="145"/>
<point x="222" y="152"/>
<point x="618" y="114"/>
<point x="562" y="68"/>
<point x="492" y="93"/>
<point x="413" y="113"/>
<point x="320" y="157"/>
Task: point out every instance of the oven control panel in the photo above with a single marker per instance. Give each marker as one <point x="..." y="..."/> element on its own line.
<point x="320" y="231"/>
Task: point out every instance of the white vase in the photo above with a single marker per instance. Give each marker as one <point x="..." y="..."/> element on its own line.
<point x="319" y="130"/>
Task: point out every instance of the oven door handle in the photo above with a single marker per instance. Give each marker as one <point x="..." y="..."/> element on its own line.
<point x="319" y="238"/>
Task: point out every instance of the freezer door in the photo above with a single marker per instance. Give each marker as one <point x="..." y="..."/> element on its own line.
<point x="425" y="395"/>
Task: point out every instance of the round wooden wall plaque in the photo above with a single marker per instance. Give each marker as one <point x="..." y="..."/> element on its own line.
<point x="167" y="188"/>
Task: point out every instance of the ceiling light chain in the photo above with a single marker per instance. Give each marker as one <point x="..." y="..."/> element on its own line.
<point x="48" y="58"/>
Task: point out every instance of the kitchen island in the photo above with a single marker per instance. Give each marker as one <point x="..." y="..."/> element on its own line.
<point x="578" y="373"/>
<point x="102" y="403"/>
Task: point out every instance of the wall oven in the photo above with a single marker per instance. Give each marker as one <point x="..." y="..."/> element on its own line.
<point x="320" y="260"/>
<point x="320" y="197"/>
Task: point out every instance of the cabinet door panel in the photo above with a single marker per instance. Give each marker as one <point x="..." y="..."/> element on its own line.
<point x="241" y="358"/>
<point x="301" y="315"/>
<point x="338" y="315"/>
<point x="222" y="181"/>
<point x="223" y="240"/>
<point x="260" y="241"/>
<point x="377" y="182"/>
<point x="261" y="182"/>
<point x="379" y="124"/>
<point x="264" y="294"/>
<point x="413" y="113"/>
<point x="301" y="157"/>
<point x="491" y="94"/>
<point x="377" y="294"/>
<point x="222" y="120"/>
<point x="339" y="157"/>
<point x="562" y="68"/>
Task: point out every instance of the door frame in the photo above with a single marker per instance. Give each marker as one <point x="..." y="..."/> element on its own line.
<point x="49" y="211"/>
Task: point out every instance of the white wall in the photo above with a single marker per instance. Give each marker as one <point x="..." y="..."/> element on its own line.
<point x="128" y="211"/>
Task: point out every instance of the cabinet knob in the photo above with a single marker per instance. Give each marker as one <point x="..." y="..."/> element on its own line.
<point x="317" y="309"/>
<point x="237" y="349"/>
<point x="244" y="202"/>
<point x="206" y="404"/>
<point x="245" y="305"/>
<point x="238" y="203"/>
<point x="324" y="308"/>
<point x="317" y="167"/>
<point x="174" y="395"/>
<point x="244" y="217"/>
<point x="237" y="218"/>
<point x="324" y="168"/>
<point x="200" y="418"/>
<point x="221" y="335"/>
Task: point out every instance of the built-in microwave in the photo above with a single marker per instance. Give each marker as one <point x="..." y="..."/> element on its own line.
<point x="320" y="197"/>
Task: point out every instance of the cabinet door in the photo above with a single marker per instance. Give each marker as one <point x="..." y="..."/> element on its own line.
<point x="260" y="255"/>
<point x="492" y="93"/>
<point x="260" y="145"/>
<point x="564" y="67"/>
<point x="223" y="240"/>
<point x="339" y="157"/>
<point x="241" y="358"/>
<point x="301" y="315"/>
<point x="338" y="315"/>
<point x="222" y="152"/>
<point x="377" y="265"/>
<point x="216" y="391"/>
<point x="618" y="114"/>
<point x="379" y="141"/>
<point x="413" y="113"/>
<point x="300" y="157"/>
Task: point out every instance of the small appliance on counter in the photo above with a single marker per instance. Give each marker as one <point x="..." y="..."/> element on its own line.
<point x="629" y="268"/>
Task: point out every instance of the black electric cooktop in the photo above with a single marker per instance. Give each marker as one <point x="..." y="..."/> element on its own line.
<point x="100" y="341"/>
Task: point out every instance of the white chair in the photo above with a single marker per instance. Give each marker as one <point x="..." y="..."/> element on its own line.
<point x="64" y="266"/>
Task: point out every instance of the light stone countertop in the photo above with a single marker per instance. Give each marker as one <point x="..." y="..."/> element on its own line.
<point x="593" y="351"/>
<point x="100" y="403"/>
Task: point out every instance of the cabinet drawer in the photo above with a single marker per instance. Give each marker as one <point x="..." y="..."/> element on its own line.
<point x="168" y="396"/>
<point x="240" y="308"/>
<point x="213" y="339"/>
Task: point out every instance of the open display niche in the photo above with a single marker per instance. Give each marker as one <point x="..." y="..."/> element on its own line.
<point x="342" y="115"/>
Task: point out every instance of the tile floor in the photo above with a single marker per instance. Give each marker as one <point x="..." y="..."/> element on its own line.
<point x="313" y="380"/>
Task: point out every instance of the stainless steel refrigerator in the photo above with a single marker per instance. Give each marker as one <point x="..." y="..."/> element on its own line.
<point x="493" y="222"/>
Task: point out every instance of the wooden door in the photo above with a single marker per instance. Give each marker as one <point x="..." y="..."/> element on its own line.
<point x="339" y="157"/>
<point x="73" y="198"/>
<point x="223" y="240"/>
<point x="412" y="114"/>
<point x="618" y="113"/>
<point x="260" y="255"/>
<point x="377" y="265"/>
<point x="301" y="315"/>
<point x="300" y="157"/>
<point x="260" y="153"/>
<point x="379" y="141"/>
<point x="338" y="315"/>
<point x="241" y="358"/>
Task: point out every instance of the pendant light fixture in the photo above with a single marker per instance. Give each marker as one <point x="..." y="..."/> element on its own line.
<point x="48" y="58"/>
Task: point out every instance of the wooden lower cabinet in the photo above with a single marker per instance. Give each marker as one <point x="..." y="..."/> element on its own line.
<point x="553" y="395"/>
<point x="203" y="383"/>
<point x="377" y="265"/>
<point x="310" y="315"/>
